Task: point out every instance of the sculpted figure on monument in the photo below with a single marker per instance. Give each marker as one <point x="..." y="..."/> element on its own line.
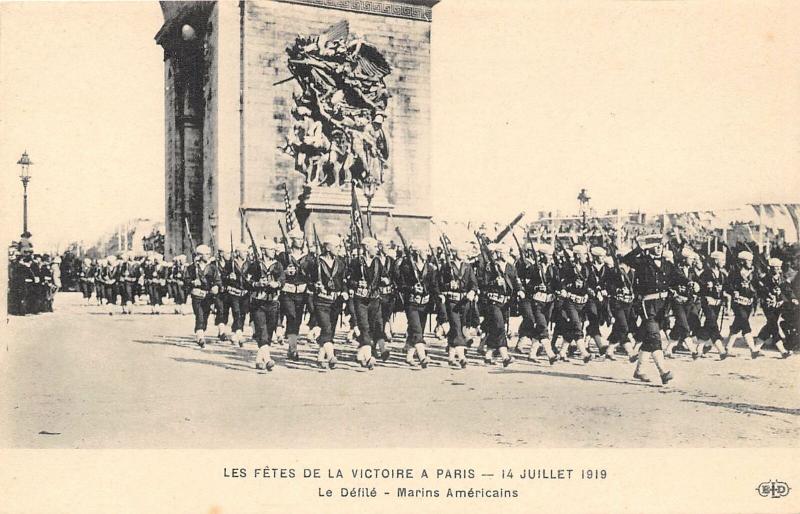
<point x="337" y="137"/>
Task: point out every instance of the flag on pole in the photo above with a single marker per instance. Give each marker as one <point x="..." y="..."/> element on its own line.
<point x="291" y="220"/>
<point x="356" y="220"/>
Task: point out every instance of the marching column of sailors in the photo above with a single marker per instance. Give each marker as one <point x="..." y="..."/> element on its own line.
<point x="33" y="280"/>
<point x="651" y="298"/>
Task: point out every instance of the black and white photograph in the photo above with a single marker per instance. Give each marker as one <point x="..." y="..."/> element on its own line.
<point x="450" y="225"/>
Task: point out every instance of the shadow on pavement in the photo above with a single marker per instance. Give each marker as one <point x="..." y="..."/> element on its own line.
<point x="749" y="408"/>
<point x="589" y="378"/>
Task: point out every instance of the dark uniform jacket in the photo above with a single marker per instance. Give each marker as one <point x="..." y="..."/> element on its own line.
<point x="127" y="271"/>
<point x="388" y="274"/>
<point x="257" y="276"/>
<point x="712" y="285"/>
<point x="596" y="278"/>
<point x="619" y="285"/>
<point x="86" y="273"/>
<point x="575" y="278"/>
<point x="682" y="282"/>
<point x="457" y="277"/>
<point x="417" y="288"/>
<point x="295" y="270"/>
<point x="329" y="282"/>
<point x="650" y="278"/>
<point x="540" y="282"/>
<point x="233" y="277"/>
<point x="498" y="281"/>
<point x="363" y="279"/>
<point x="208" y="277"/>
<point x="743" y="288"/>
<point x="176" y="273"/>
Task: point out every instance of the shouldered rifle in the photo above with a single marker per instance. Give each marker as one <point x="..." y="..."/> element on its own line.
<point x="407" y="254"/>
<point x="256" y="253"/>
<point x="191" y="250"/>
<point x="434" y="257"/>
<point x="191" y="240"/>
<point x="488" y="258"/>
<point x="508" y="228"/>
<point x="559" y="247"/>
<point x="448" y="258"/>
<point x="445" y="242"/>
<point x="536" y="258"/>
<point x="319" y="253"/>
<point x="285" y="240"/>
<point x="214" y="250"/>
<point x="436" y="262"/>
<point x="521" y="253"/>
<point x="519" y="247"/>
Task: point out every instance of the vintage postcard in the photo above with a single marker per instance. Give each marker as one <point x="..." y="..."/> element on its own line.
<point x="400" y="256"/>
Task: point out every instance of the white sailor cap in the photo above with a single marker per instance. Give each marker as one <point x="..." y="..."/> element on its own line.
<point x="775" y="262"/>
<point x="718" y="255"/>
<point x="203" y="250"/>
<point x="598" y="251"/>
<point x="493" y="247"/>
<point x="180" y="258"/>
<point x="745" y="256"/>
<point x="242" y="248"/>
<point x="295" y="233"/>
<point x="579" y="249"/>
<point x="369" y="241"/>
<point x="545" y="248"/>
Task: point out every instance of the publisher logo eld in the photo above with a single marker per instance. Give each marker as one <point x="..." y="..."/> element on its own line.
<point x="773" y="489"/>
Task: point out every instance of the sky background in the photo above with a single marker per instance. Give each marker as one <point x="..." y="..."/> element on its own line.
<point x="649" y="105"/>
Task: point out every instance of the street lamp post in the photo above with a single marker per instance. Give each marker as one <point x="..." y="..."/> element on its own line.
<point x="584" y="198"/>
<point x="25" y="163"/>
<point x="370" y="188"/>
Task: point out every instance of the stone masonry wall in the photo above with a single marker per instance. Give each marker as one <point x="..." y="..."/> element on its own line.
<point x="269" y="28"/>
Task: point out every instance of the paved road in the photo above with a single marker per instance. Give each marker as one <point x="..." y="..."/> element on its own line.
<point x="79" y="378"/>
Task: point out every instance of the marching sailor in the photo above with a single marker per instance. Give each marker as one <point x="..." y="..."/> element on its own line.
<point x="364" y="277"/>
<point x="416" y="278"/>
<point x="541" y="281"/>
<point x="202" y="277"/>
<point x="265" y="278"/>
<point x="712" y="292"/>
<point x="293" y="294"/>
<point x="327" y="277"/>
<point x="651" y="288"/>
<point x="742" y="286"/>
<point x="236" y="294"/>
<point x="458" y="290"/>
